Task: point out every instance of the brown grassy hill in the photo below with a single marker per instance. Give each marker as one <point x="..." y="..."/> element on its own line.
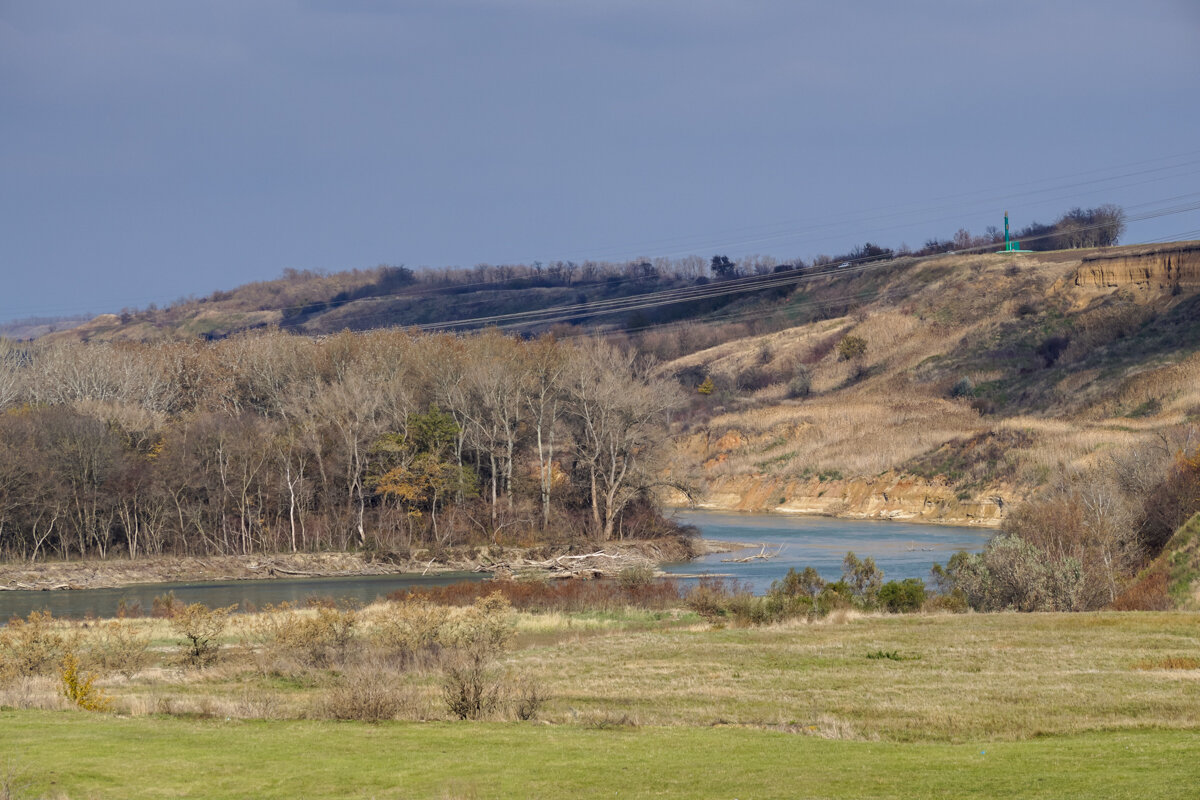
<point x="1172" y="580"/>
<point x="594" y="295"/>
<point x="982" y="376"/>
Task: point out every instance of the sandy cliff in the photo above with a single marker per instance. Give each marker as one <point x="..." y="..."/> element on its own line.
<point x="1154" y="268"/>
<point x="887" y="496"/>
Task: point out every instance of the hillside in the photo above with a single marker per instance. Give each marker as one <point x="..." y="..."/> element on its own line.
<point x="524" y="298"/>
<point x="982" y="377"/>
<point x="1172" y="579"/>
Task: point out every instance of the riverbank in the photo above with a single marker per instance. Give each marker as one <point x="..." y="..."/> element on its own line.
<point x="544" y="561"/>
<point x="887" y="497"/>
<point x="735" y="508"/>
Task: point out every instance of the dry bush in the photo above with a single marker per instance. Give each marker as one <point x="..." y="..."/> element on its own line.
<point x="201" y="628"/>
<point x="528" y="697"/>
<point x="165" y="606"/>
<point x="283" y="638"/>
<point x="474" y="639"/>
<point x="259" y="705"/>
<point x="320" y="639"/>
<point x="117" y="646"/>
<point x="365" y="694"/>
<point x="410" y="629"/>
<point x="31" y="646"/>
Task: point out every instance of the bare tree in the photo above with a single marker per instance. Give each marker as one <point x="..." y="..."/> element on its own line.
<point x="619" y="409"/>
<point x="548" y="366"/>
<point x="12" y="359"/>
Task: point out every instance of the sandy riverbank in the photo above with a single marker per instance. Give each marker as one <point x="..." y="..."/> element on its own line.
<point x="607" y="559"/>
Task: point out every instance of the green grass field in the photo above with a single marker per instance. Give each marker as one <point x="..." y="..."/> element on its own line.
<point x="654" y="704"/>
<point x="81" y="756"/>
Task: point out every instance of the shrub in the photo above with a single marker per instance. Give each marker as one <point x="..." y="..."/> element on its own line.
<point x="80" y="688"/>
<point x="165" y="606"/>
<point x="710" y="598"/>
<point x="963" y="388"/>
<point x="31" y="646"/>
<point x="834" y="597"/>
<point x="863" y="578"/>
<point x="902" y="596"/>
<point x="1016" y="575"/>
<point x="801" y="383"/>
<point x="706" y="387"/>
<point x="317" y="640"/>
<point x="632" y="579"/>
<point x="955" y="602"/>
<point x="410" y="628"/>
<point x="753" y="378"/>
<point x="528" y="699"/>
<point x="117" y="646"/>
<point x="747" y="610"/>
<point x="808" y="583"/>
<point x="365" y="695"/>
<point x="1052" y="348"/>
<point x="474" y="639"/>
<point x="851" y="348"/>
<point x="201" y="628"/>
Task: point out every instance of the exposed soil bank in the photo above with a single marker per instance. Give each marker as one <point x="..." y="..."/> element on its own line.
<point x="598" y="561"/>
<point x="890" y="496"/>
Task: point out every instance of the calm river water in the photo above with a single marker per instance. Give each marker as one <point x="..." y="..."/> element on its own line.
<point x="247" y="594"/>
<point x="901" y="549"/>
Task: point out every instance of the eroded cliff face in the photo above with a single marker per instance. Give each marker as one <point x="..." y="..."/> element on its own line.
<point x="887" y="496"/>
<point x="1163" y="268"/>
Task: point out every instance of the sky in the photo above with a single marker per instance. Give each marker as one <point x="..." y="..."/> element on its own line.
<point x="156" y="149"/>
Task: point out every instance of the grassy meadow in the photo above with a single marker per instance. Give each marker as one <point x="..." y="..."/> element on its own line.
<point x="635" y="703"/>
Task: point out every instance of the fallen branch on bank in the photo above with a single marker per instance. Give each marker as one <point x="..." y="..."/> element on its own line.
<point x="762" y="554"/>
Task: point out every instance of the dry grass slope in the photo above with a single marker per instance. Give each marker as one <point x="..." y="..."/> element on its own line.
<point x="1013" y="348"/>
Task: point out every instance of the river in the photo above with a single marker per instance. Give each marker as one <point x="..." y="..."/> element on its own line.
<point x="247" y="594"/>
<point x="901" y="549"/>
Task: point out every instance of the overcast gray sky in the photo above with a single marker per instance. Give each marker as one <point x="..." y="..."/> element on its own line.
<point x="154" y="149"/>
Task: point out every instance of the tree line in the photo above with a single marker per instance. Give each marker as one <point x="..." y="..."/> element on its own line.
<point x="267" y="442"/>
<point x="1102" y="226"/>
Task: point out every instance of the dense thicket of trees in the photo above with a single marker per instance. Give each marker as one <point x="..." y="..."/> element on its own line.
<point x="277" y="442"/>
<point x="1078" y="543"/>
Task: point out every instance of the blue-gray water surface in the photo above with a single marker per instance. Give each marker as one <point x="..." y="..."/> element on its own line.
<point x="901" y="549"/>
<point x="246" y="594"/>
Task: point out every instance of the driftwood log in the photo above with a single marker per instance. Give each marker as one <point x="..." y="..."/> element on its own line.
<point x="568" y="566"/>
<point x="762" y="554"/>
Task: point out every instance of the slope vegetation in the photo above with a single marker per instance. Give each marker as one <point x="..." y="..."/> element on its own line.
<point x="968" y="382"/>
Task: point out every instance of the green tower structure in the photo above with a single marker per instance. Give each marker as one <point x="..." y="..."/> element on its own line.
<point x="1010" y="245"/>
